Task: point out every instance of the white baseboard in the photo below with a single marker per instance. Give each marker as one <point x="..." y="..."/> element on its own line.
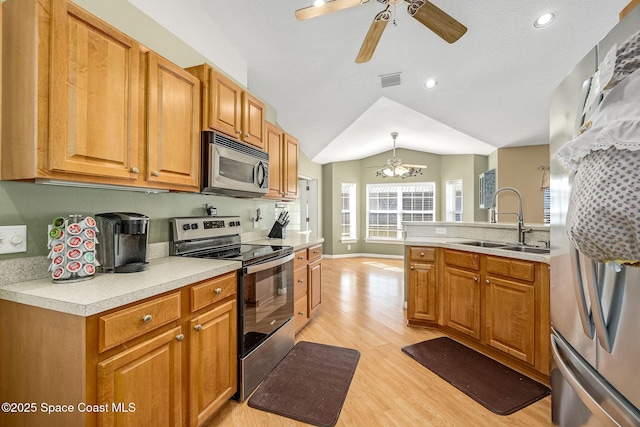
<point x="362" y="255"/>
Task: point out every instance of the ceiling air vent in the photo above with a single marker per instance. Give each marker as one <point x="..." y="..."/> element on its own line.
<point x="388" y="80"/>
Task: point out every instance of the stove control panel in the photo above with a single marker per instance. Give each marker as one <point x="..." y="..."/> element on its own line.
<point x="189" y="228"/>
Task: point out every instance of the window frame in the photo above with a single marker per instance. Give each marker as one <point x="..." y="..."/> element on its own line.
<point x="401" y="190"/>
<point x="451" y="198"/>
<point x="352" y="237"/>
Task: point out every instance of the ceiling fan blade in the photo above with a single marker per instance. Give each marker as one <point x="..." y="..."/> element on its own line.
<point x="323" y="9"/>
<point x="415" y="166"/>
<point x="436" y="20"/>
<point x="373" y="36"/>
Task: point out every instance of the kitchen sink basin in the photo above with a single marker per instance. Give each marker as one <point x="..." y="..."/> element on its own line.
<point x="526" y="249"/>
<point x="483" y="244"/>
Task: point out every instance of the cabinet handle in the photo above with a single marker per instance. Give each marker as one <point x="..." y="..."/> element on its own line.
<point x="300" y="281"/>
<point x="301" y="313"/>
<point x="421" y="253"/>
<point x="246" y="135"/>
<point x="412" y="267"/>
<point x="475" y="279"/>
<point x="147" y="318"/>
<point x="487" y="281"/>
<point x="180" y="337"/>
<point x="300" y="257"/>
<point x="218" y="291"/>
<point x="135" y="170"/>
<point x="239" y="132"/>
<point x="198" y="327"/>
<point x="316" y="252"/>
<point x="154" y="173"/>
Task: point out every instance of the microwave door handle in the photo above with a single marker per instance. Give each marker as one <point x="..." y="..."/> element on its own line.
<point x="260" y="174"/>
<point x="270" y="264"/>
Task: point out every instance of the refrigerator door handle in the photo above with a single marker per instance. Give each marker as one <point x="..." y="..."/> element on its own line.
<point x="586" y="318"/>
<point x="620" y="412"/>
<point x="597" y="276"/>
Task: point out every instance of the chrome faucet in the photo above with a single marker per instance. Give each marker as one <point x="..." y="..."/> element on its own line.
<point x="521" y="229"/>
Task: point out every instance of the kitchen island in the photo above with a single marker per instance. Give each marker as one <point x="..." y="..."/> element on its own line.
<point x="475" y="283"/>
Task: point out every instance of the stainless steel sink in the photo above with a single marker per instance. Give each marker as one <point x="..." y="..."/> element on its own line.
<point x="484" y="244"/>
<point x="527" y="249"/>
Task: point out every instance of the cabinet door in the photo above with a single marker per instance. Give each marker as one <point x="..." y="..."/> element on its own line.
<point x="314" y="292"/>
<point x="225" y="109"/>
<point x="146" y="376"/>
<point x="274" y="147"/>
<point x="94" y="96"/>
<point x="213" y="367"/>
<point x="173" y="99"/>
<point x="252" y="120"/>
<point x="421" y="301"/>
<point x="462" y="301"/>
<point x="510" y="317"/>
<point x="290" y="167"/>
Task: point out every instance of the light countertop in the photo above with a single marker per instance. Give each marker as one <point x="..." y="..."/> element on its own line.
<point x="455" y="243"/>
<point x="107" y="291"/>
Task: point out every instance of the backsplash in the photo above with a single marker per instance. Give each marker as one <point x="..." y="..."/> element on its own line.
<point x="507" y="233"/>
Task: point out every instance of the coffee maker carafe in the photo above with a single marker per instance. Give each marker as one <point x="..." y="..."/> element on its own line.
<point x="122" y="245"/>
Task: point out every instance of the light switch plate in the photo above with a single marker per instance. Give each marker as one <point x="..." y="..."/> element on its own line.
<point x="13" y="238"/>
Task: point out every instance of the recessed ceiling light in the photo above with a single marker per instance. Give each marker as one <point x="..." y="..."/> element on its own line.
<point x="430" y="84"/>
<point x="544" y="20"/>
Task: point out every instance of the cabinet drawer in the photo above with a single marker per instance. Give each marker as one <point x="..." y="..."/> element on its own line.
<point x="213" y="290"/>
<point x="315" y="253"/>
<point x="123" y="325"/>
<point x="462" y="259"/>
<point x="300" y="259"/>
<point x="299" y="283"/>
<point x="419" y="253"/>
<point x="517" y="269"/>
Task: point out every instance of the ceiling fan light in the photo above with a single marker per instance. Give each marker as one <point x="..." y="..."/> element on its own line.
<point x="544" y="20"/>
<point x="388" y="171"/>
<point x="401" y="170"/>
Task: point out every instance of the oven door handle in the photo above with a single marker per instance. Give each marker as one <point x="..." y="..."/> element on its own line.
<point x="269" y="264"/>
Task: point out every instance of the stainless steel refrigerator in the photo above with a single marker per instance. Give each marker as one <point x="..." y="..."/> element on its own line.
<point x="595" y="311"/>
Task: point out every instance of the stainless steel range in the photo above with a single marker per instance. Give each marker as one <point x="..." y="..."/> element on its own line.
<point x="265" y="290"/>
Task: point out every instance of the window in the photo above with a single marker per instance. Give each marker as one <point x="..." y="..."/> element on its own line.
<point x="348" y="229"/>
<point x="454" y="200"/>
<point x="389" y="205"/>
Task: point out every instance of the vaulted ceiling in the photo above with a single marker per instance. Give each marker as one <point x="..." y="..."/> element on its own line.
<point x="493" y="84"/>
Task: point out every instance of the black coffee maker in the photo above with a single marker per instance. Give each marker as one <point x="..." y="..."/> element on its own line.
<point x="122" y="243"/>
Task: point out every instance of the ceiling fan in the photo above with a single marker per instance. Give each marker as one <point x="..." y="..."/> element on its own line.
<point x="395" y="167"/>
<point x="425" y="12"/>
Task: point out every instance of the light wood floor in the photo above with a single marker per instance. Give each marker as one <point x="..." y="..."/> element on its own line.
<point x="362" y="309"/>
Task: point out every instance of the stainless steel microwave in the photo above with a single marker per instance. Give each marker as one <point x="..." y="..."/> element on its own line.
<point x="232" y="168"/>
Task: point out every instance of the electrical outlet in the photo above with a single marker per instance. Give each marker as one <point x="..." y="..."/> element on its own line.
<point x="348" y="247"/>
<point x="440" y="230"/>
<point x="13" y="238"/>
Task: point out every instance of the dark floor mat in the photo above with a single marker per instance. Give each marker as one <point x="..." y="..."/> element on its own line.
<point x="495" y="386"/>
<point x="310" y="384"/>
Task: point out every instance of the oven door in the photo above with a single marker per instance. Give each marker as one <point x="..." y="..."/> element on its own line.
<point x="267" y="300"/>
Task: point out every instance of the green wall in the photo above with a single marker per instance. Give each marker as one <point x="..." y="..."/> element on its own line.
<point x="439" y="169"/>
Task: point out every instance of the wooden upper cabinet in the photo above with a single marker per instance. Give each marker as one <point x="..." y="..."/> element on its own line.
<point x="94" y="96"/>
<point x="228" y="108"/>
<point x="273" y="146"/>
<point x="173" y="134"/>
<point x="283" y="163"/>
<point x="253" y="120"/>
<point x="85" y="119"/>
<point x="225" y="105"/>
<point x="291" y="167"/>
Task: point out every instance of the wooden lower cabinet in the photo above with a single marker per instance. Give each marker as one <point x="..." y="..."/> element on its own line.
<point x="421" y="286"/>
<point x="143" y="383"/>
<point x="496" y="305"/>
<point x="213" y="363"/>
<point x="138" y="365"/>
<point x="462" y="301"/>
<point x="307" y="290"/>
